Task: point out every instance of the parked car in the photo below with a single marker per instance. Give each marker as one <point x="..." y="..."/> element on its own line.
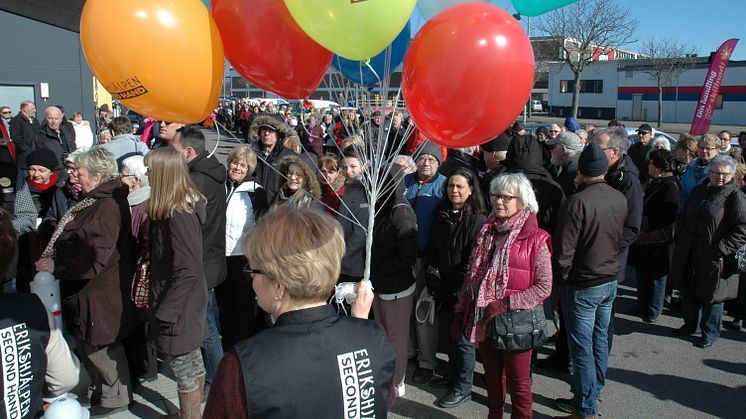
<point x="633" y="137"/>
<point x="536" y="106"/>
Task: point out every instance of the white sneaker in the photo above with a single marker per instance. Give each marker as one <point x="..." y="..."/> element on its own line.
<point x="400" y="390"/>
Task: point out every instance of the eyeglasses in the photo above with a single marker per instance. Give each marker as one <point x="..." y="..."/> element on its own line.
<point x="426" y="159"/>
<point x="720" y="174"/>
<point x="501" y="197"/>
<point x="553" y="130"/>
<point x="248" y="273"/>
<point x="6" y="112"/>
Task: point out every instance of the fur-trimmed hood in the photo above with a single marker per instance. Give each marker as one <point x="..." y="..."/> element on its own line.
<point x="283" y="129"/>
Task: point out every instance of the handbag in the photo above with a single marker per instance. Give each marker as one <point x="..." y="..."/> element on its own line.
<point x="141" y="281"/>
<point x="519" y="330"/>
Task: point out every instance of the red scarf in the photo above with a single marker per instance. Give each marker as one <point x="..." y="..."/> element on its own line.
<point x="44" y="186"/>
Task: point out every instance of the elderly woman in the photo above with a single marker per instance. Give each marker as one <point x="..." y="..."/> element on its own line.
<point x="178" y="292"/>
<point x="651" y="253"/>
<point x="461" y="213"/>
<point x="298" y="186"/>
<point x="509" y="269"/>
<point x="294" y="259"/>
<point x="90" y="252"/>
<point x="711" y="229"/>
<point x="246" y="201"/>
<point x="697" y="171"/>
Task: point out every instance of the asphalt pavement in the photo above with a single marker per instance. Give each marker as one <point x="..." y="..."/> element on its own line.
<point x="651" y="374"/>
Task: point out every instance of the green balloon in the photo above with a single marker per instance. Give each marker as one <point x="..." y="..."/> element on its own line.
<point x="538" y="7"/>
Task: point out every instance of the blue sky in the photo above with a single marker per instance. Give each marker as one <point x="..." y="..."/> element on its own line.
<point x="703" y="24"/>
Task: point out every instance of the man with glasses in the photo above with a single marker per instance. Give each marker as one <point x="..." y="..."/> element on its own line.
<point x="424" y="190"/>
<point x="23" y="129"/>
<point x="6" y="115"/>
<point x="697" y="171"/>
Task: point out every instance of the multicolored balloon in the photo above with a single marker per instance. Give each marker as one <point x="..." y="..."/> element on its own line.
<point x="353" y="29"/>
<point x="181" y="81"/>
<point x="538" y="7"/>
<point x="467" y="74"/>
<point x="373" y="72"/>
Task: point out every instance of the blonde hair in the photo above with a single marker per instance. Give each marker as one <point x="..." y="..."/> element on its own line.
<point x="710" y="140"/>
<point x="171" y="188"/>
<point x="243" y="153"/>
<point x="300" y="248"/>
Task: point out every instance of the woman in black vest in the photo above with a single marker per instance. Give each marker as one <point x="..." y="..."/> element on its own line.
<point x="312" y="363"/>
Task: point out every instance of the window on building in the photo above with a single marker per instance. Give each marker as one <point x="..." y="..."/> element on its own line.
<point x="586" y="86"/>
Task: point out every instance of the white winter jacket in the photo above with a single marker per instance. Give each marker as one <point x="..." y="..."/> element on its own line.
<point x="239" y="216"/>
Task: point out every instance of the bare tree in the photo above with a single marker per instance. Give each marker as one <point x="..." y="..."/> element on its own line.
<point x="666" y="60"/>
<point x="583" y="27"/>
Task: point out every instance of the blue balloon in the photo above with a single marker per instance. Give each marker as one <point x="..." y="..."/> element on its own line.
<point x="359" y="72"/>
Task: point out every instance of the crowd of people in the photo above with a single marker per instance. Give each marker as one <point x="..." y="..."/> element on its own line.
<point x="226" y="272"/>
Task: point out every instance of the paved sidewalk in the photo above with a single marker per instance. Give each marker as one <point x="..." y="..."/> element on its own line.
<point x="651" y="374"/>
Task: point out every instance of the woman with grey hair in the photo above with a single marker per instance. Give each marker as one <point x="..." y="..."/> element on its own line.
<point x="90" y="253"/>
<point x="510" y="269"/>
<point x="142" y="357"/>
<point x="711" y="229"/>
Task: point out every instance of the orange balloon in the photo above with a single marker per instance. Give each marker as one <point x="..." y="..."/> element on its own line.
<point x="176" y="73"/>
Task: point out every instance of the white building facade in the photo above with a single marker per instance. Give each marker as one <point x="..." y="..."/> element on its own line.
<point x="619" y="89"/>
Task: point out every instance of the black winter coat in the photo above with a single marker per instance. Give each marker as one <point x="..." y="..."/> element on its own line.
<point x="59" y="142"/>
<point x="209" y="176"/>
<point x="586" y="242"/>
<point x="23" y="133"/>
<point x="178" y="294"/>
<point x="652" y="250"/>
<point x="394" y="247"/>
<point x="710" y="230"/>
<point x="449" y="249"/>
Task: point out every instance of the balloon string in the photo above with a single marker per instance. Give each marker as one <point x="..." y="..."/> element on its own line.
<point x="367" y="63"/>
<point x="217" y="127"/>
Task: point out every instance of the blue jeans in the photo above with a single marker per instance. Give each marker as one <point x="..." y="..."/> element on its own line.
<point x="461" y="362"/>
<point x="702" y="317"/>
<point x="651" y="292"/>
<point x="212" y="349"/>
<point x="587" y="313"/>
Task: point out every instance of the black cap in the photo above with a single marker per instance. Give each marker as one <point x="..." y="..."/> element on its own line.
<point x="645" y="128"/>
<point x="517" y="126"/>
<point x="499" y="143"/>
<point x="593" y="161"/>
<point x="43" y="156"/>
<point x="268" y="126"/>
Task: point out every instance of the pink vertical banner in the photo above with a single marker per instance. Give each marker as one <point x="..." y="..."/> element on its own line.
<point x="711" y="88"/>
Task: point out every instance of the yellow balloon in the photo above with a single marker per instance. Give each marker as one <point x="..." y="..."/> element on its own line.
<point x="353" y="29"/>
<point x="177" y="73"/>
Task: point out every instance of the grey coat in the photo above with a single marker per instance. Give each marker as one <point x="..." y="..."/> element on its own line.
<point x="710" y="230"/>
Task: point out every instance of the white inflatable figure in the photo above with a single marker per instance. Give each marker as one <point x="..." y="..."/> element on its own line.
<point x="47" y="287"/>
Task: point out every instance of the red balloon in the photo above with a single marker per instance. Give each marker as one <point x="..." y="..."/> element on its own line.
<point x="266" y="46"/>
<point x="467" y="74"/>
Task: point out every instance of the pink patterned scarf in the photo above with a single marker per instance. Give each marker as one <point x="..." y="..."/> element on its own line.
<point x="487" y="277"/>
